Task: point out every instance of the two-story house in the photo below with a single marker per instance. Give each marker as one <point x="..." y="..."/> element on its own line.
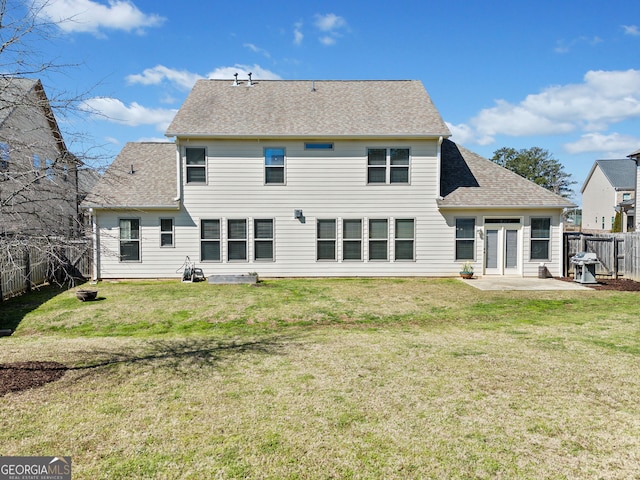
<point x="609" y="188"/>
<point x="317" y="178"/>
<point x="38" y="176"/>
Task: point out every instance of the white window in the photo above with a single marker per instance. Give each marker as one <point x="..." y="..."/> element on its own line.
<point x="274" y="166"/>
<point x="4" y="156"/>
<point x="263" y="239"/>
<point x="196" y="165"/>
<point x="388" y="165"/>
<point x="237" y="239"/>
<point x="378" y="239"/>
<point x="352" y="239"/>
<point x="166" y="232"/>
<point x="129" y="240"/>
<point x="465" y="238"/>
<point x="326" y="240"/>
<point x="210" y="240"/>
<point x="405" y="232"/>
<point x="540" y="238"/>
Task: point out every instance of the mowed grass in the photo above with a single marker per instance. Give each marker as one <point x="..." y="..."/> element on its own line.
<point x="328" y="378"/>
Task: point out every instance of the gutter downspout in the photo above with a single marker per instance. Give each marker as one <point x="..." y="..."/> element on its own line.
<point x="439" y="166"/>
<point x="178" y="174"/>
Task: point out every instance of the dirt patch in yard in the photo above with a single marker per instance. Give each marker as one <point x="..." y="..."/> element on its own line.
<point x="18" y="376"/>
<point x="620" y="284"/>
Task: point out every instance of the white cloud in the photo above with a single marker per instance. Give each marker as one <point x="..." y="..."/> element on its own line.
<point x="632" y="30"/>
<point x="256" y="49"/>
<point x="155" y="76"/>
<point x="564" y="46"/>
<point x="297" y="34"/>
<point x="602" y="99"/>
<point x="332" y="26"/>
<point x="330" y="22"/>
<point x="259" y="73"/>
<point x="113" y="110"/>
<point x="89" y="16"/>
<point x="614" y="145"/>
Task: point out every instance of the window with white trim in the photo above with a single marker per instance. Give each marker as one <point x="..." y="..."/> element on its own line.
<point x="129" y="240"/>
<point x="210" y="240"/>
<point x="196" y="162"/>
<point x="237" y="239"/>
<point x="540" y="238"/>
<point x="274" y="159"/>
<point x="378" y="239"/>
<point x="352" y="239"/>
<point x="326" y="239"/>
<point x="263" y="239"/>
<point x="388" y="165"/>
<point x="465" y="238"/>
<point x="404" y="239"/>
<point x="166" y="232"/>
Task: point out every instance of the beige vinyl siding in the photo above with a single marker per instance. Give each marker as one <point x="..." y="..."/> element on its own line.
<point x="323" y="184"/>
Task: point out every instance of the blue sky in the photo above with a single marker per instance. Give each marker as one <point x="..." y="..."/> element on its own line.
<point x="561" y="75"/>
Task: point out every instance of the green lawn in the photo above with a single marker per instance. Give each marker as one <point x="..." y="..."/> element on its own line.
<point x="328" y="378"/>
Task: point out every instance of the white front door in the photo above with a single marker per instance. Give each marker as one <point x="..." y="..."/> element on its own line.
<point x="502" y="249"/>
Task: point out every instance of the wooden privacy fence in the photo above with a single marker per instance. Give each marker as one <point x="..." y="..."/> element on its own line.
<point x="23" y="267"/>
<point x="618" y="253"/>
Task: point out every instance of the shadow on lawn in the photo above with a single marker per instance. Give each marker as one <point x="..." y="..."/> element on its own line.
<point x="179" y="355"/>
<point x="183" y="353"/>
<point x="14" y="309"/>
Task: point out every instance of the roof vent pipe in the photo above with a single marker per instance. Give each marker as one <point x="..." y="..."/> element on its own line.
<point x="249" y="82"/>
<point x="313" y="85"/>
<point x="235" y="82"/>
<point x="131" y="170"/>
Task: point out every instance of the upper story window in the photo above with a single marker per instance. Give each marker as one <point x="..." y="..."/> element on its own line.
<point x="388" y="165"/>
<point x="626" y="196"/>
<point x="196" y="161"/>
<point x="49" y="166"/>
<point x="541" y="238"/>
<point x="274" y="166"/>
<point x="318" y="146"/>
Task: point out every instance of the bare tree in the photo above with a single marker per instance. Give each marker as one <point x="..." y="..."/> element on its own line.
<point x="40" y="179"/>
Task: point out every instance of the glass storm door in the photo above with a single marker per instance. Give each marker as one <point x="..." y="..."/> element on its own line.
<point x="501" y="250"/>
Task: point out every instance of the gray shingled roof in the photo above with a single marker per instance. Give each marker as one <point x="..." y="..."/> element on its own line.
<point x="621" y="173"/>
<point x="12" y="93"/>
<point x="469" y="180"/>
<point x="371" y="108"/>
<point x="151" y="185"/>
<point x="635" y="154"/>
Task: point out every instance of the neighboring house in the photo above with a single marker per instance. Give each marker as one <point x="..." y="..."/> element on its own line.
<point x="609" y="188"/>
<point x="635" y="157"/>
<point x="38" y="179"/>
<point x="324" y="178"/>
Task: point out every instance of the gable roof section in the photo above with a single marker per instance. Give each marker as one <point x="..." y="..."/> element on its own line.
<point x="321" y="109"/>
<point x="151" y="185"/>
<point x="621" y="173"/>
<point x="29" y="94"/>
<point x="471" y="181"/>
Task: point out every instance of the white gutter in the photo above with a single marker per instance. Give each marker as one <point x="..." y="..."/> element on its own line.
<point x="178" y="172"/>
<point x="439" y="167"/>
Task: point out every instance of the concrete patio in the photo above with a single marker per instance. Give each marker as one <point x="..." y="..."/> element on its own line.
<point x="522" y="283"/>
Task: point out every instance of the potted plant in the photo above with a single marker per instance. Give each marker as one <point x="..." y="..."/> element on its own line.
<point x="467" y="270"/>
